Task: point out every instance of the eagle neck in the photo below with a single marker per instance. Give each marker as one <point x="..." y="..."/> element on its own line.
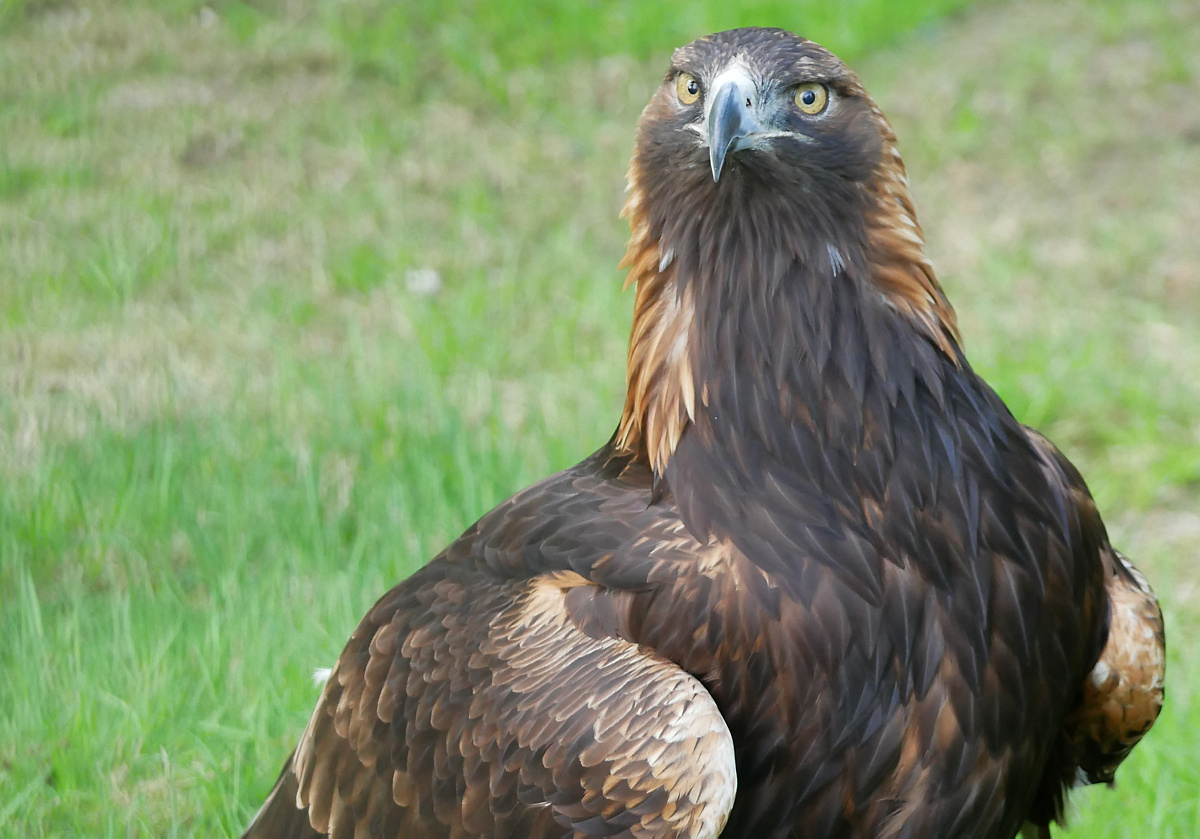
<point x="782" y="290"/>
<point x="798" y="337"/>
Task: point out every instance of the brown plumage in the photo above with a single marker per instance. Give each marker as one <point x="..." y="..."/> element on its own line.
<point x="820" y="583"/>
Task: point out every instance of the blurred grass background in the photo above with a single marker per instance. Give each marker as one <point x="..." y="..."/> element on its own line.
<point x="291" y="292"/>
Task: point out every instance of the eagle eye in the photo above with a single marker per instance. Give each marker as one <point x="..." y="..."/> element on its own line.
<point x="811" y="98"/>
<point x="687" y="88"/>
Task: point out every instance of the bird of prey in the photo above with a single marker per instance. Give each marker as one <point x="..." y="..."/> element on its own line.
<point x="819" y="583"/>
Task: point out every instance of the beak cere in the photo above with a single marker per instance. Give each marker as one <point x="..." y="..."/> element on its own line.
<point x="732" y="115"/>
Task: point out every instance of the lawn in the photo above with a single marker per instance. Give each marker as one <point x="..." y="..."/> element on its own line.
<point x="290" y="293"/>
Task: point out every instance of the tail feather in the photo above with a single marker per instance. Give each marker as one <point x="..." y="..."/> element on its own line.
<point x="279" y="817"/>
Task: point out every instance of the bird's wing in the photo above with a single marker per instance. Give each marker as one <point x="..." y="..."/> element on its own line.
<point x="1123" y="694"/>
<point x="475" y="701"/>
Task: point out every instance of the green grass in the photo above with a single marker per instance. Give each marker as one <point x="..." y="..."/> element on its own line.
<point x="228" y="423"/>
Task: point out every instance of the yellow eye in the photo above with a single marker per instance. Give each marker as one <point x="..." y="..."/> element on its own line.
<point x="687" y="89"/>
<point x="811" y="98"/>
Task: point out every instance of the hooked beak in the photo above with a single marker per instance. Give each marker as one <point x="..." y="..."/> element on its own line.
<point x="732" y="116"/>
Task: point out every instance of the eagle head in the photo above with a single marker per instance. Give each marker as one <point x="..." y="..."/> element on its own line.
<point x="765" y="106"/>
<point x="765" y="184"/>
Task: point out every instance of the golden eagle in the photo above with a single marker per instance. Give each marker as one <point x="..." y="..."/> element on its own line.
<point x="819" y="583"/>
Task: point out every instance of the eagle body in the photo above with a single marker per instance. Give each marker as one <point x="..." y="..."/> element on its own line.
<point x="820" y="582"/>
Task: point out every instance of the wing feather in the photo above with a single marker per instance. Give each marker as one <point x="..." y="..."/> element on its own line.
<point x="467" y="704"/>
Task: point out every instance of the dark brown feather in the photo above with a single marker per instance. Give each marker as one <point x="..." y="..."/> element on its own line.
<point x="820" y="582"/>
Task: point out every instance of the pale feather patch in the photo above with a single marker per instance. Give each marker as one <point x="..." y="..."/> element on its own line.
<point x="836" y="263"/>
<point x="665" y="258"/>
<point x="683" y="745"/>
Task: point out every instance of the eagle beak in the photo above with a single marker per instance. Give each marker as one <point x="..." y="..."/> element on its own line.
<point x="732" y="116"/>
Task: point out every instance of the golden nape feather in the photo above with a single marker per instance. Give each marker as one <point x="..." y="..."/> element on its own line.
<point x="819" y="583"/>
